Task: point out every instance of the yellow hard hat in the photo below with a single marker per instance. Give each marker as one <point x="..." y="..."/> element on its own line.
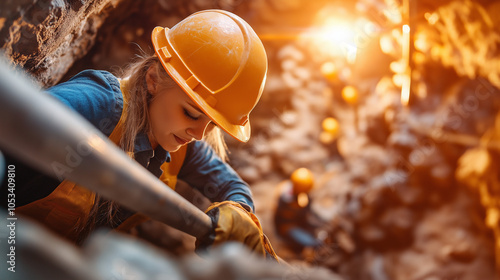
<point x="220" y="62"/>
<point x="302" y="180"/>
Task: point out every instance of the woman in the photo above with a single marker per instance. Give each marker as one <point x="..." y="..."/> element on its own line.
<point x="207" y="74"/>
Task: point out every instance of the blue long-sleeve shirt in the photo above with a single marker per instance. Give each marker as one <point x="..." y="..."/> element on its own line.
<point x="96" y="95"/>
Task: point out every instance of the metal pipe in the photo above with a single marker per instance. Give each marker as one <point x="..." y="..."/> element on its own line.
<point x="50" y="137"/>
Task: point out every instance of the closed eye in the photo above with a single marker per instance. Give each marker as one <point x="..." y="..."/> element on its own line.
<point x="189" y="115"/>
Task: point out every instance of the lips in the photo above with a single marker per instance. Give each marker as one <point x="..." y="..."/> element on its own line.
<point x="180" y="140"/>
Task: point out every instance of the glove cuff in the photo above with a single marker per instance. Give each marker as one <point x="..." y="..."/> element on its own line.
<point x="202" y="244"/>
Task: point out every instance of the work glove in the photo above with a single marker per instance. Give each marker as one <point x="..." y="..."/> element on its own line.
<point x="232" y="222"/>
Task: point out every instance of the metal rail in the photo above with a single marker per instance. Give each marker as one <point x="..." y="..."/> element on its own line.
<point x="50" y="137"/>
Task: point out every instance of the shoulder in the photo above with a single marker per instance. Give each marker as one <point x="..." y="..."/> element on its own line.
<point x="196" y="145"/>
<point x="200" y="150"/>
<point x="95" y="94"/>
<point x="93" y="78"/>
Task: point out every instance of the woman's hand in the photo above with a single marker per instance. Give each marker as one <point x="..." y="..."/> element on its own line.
<point x="233" y="223"/>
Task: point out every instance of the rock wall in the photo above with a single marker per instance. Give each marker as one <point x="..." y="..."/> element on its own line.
<point x="45" y="37"/>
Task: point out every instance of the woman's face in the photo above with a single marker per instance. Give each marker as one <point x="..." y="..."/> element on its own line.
<point x="175" y="119"/>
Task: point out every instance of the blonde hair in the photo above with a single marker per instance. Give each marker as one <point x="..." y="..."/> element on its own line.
<point x="136" y="121"/>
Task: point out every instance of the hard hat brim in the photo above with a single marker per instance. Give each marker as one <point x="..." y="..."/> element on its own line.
<point x="239" y="132"/>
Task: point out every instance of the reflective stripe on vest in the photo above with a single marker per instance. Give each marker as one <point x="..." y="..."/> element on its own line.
<point x="67" y="208"/>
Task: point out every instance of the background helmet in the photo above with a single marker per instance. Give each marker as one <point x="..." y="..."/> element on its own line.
<point x="302" y="181"/>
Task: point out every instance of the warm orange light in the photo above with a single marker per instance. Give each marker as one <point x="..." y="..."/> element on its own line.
<point x="406" y="43"/>
<point x="431" y="18"/>
<point x="405" y="90"/>
<point x="338" y="31"/>
<point x="333" y="37"/>
<point x="302" y="180"/>
<point x="492" y="217"/>
<point x="350" y="95"/>
<point x="406" y="28"/>
<point x="330" y="125"/>
<point x="326" y="137"/>
<point x="405" y="87"/>
<point x="329" y="71"/>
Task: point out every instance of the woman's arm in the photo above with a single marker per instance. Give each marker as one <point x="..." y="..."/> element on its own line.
<point x="205" y="171"/>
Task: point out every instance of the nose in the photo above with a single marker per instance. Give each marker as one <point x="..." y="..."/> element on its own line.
<point x="198" y="131"/>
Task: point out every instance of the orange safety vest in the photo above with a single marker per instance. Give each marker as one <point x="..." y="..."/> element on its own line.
<point x="67" y="208"/>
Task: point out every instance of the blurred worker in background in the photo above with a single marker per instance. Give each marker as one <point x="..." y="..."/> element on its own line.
<point x="166" y="111"/>
<point x="294" y="221"/>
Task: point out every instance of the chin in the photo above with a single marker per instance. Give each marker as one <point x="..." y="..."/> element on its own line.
<point x="168" y="147"/>
<point x="172" y="147"/>
<point x="174" y="150"/>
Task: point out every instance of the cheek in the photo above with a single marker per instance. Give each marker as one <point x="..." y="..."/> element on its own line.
<point x="163" y="119"/>
<point x="158" y="117"/>
<point x="209" y="128"/>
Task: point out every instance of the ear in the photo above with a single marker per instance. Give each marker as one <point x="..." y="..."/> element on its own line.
<point x="152" y="80"/>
